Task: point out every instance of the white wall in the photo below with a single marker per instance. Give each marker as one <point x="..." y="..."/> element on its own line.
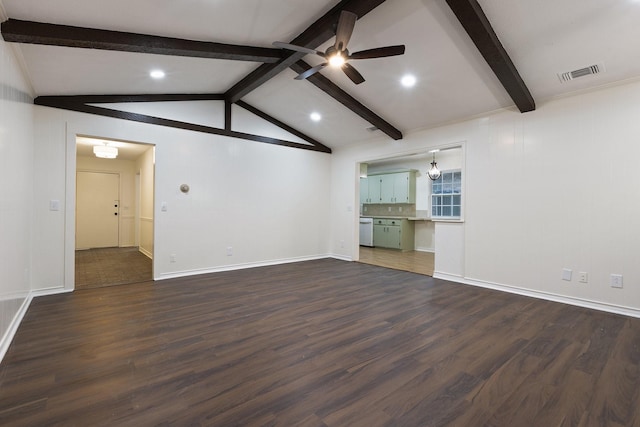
<point x="145" y="167"/>
<point x="268" y="203"/>
<point x="126" y="170"/>
<point x="16" y="192"/>
<point x="555" y="188"/>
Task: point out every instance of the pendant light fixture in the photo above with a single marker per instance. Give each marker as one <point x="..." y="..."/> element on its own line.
<point x="434" y="173"/>
<point x="105" y="151"/>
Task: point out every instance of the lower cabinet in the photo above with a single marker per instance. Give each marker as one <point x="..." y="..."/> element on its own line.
<point x="393" y="233"/>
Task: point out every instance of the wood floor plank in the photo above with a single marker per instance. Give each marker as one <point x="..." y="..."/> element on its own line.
<point x="619" y="381"/>
<point x="321" y="343"/>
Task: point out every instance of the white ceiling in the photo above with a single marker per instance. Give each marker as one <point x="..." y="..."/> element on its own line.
<point x="543" y="38"/>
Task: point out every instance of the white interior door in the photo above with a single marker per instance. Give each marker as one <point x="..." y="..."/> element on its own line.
<point x="97" y="204"/>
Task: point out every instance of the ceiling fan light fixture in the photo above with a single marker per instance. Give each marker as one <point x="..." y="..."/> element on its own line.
<point x="338" y="56"/>
<point x="105" y="152"/>
<point x="337" y="60"/>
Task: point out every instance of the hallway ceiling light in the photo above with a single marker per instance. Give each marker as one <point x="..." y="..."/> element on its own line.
<point x="105" y="151"/>
<point x="434" y="173"/>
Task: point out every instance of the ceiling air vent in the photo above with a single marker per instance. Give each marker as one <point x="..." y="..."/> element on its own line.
<point x="582" y="72"/>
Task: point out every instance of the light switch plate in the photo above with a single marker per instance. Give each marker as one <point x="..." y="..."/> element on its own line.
<point x="566" y="274"/>
<point x="616" y="280"/>
<point x="54" y="205"/>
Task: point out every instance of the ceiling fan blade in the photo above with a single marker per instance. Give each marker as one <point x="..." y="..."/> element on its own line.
<point x="296" y="48"/>
<point x="346" y="23"/>
<point x="379" y="52"/>
<point x="353" y="74"/>
<point x="311" y="71"/>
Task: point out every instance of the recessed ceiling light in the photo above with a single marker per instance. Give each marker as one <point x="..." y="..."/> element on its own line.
<point x="316" y="117"/>
<point x="408" y="80"/>
<point x="157" y="74"/>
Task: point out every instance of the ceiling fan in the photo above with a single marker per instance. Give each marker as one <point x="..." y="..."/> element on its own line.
<point x="338" y="55"/>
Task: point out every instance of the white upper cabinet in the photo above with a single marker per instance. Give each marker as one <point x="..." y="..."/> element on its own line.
<point x="404" y="187"/>
<point x="399" y="187"/>
<point x="370" y="189"/>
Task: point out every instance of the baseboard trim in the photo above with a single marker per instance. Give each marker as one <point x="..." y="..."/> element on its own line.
<point x="184" y="273"/>
<point x="430" y="250"/>
<point x="579" y="302"/>
<point x="7" y="338"/>
<point x="340" y="257"/>
<point x="145" y="252"/>
<point x="50" y="291"/>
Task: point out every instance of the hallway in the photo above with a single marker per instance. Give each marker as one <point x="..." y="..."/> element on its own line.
<point x="96" y="268"/>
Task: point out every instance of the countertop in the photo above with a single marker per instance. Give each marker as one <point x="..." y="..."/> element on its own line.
<point x="410" y="218"/>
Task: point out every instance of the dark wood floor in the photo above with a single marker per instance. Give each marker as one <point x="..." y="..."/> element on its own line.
<point x="319" y="343"/>
<point x="100" y="267"/>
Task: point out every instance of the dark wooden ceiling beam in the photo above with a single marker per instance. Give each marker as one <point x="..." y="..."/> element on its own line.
<point x="324" y="84"/>
<point x="477" y="25"/>
<point x="75" y="103"/>
<point x="318" y="33"/>
<point x="63" y="35"/>
<point x="107" y="99"/>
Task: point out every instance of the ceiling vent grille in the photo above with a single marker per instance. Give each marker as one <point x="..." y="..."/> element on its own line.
<point x="582" y="72"/>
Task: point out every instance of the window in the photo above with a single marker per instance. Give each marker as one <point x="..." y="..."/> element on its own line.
<point x="446" y="194"/>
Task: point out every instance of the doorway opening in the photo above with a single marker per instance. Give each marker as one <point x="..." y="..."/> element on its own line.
<point x="397" y="219"/>
<point x="114" y="214"/>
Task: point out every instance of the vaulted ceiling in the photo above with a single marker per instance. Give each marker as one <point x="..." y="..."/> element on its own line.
<point x="469" y="57"/>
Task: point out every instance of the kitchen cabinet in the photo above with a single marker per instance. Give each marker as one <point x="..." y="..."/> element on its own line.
<point x="370" y="190"/>
<point x="387" y="183"/>
<point x="404" y="187"/>
<point x="399" y="187"/>
<point x="364" y="190"/>
<point x="393" y="233"/>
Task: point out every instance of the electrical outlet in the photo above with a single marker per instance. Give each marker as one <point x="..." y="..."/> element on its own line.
<point x="389" y="208"/>
<point x="399" y="208"/>
<point x="616" y="280"/>
<point x="583" y="277"/>
<point x="229" y="250"/>
<point x="172" y="258"/>
<point x="566" y="274"/>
